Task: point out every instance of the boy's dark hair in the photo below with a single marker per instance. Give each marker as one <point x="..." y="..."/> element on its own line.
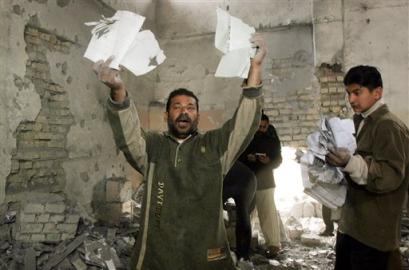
<point x="181" y="92"/>
<point x="366" y="76"/>
<point x="265" y="117"/>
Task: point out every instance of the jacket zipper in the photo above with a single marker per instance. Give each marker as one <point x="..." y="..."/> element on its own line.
<point x="177" y="150"/>
<point x="176" y="155"/>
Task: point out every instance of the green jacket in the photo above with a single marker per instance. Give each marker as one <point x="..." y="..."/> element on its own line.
<point x="182" y="217"/>
<point x="372" y="212"/>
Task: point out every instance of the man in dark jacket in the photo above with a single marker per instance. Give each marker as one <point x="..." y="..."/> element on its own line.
<point x="262" y="156"/>
<point x="182" y="217"/>
<point x="377" y="175"/>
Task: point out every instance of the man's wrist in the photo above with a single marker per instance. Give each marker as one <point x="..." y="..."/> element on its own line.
<point x="119" y="94"/>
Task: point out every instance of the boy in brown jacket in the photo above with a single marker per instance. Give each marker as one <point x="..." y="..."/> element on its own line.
<point x="377" y="175"/>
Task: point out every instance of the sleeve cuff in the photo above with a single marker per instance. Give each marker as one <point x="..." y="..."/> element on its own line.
<point x="251" y="91"/>
<point x="357" y="169"/>
<point x="119" y="105"/>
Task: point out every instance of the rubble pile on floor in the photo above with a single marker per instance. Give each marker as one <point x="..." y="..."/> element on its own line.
<point x="94" y="247"/>
<point x="110" y="247"/>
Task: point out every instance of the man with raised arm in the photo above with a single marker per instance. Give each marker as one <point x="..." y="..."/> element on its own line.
<point x="182" y="218"/>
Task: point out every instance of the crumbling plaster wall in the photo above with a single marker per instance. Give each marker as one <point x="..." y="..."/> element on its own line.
<point x="186" y="31"/>
<point x="341" y="37"/>
<point x="88" y="152"/>
<point x="376" y="33"/>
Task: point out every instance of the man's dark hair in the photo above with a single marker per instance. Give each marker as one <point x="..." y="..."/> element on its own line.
<point x="366" y="76"/>
<point x="265" y="118"/>
<point x="181" y="92"/>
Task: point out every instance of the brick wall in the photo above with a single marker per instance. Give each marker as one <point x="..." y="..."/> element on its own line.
<point x="36" y="163"/>
<point x="332" y="91"/>
<point x="296" y="114"/>
<point x="41" y="148"/>
<point x="40" y="220"/>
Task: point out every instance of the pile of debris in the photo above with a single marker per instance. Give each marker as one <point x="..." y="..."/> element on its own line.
<point x="94" y="247"/>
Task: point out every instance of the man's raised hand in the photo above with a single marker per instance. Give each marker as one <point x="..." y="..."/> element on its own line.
<point x="111" y="78"/>
<point x="258" y="42"/>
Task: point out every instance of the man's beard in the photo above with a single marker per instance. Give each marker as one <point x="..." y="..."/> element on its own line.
<point x="172" y="126"/>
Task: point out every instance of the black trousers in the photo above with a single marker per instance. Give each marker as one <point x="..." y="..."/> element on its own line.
<point x="354" y="255"/>
<point x="240" y="184"/>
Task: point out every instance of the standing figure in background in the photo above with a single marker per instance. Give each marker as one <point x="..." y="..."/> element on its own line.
<point x="262" y="156"/>
<point x="377" y="178"/>
<point x="329" y="223"/>
<point x="240" y="184"/>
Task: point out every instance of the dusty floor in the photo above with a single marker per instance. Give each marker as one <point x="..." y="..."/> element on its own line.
<point x="296" y="255"/>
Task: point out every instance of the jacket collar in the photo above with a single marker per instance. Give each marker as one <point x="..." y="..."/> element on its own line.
<point x="173" y="138"/>
<point x="381" y="110"/>
<point x="374" y="107"/>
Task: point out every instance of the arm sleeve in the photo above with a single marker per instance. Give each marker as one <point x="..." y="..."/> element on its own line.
<point x="274" y="153"/>
<point x="128" y="135"/>
<point x="234" y="136"/>
<point x="386" y="165"/>
<point x="357" y="169"/>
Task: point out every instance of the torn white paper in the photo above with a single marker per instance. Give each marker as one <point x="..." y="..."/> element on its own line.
<point x="119" y="36"/>
<point x="233" y="39"/>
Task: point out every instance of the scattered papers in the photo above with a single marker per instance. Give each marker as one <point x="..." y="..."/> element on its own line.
<point x="119" y="35"/>
<point x="233" y="39"/>
<point x="322" y="181"/>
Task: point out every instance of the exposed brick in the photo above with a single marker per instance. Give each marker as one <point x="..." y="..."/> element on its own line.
<point x="15" y="166"/>
<point x="324" y="90"/>
<point x="27" y="165"/>
<point x="43" y="218"/>
<point x="31" y="227"/>
<point x="326" y="103"/>
<point x="332" y="90"/>
<point x="34" y="208"/>
<point x="50" y="228"/>
<point x="35" y="140"/>
<point x="285" y="111"/>
<point x="286" y="138"/>
<point x="23" y="237"/>
<point x="57" y="218"/>
<point x="37" y="237"/>
<point x="66" y="236"/>
<point x="55" y="208"/>
<point x="72" y="218"/>
<point x="26" y="218"/>
<point x="299" y="137"/>
<point x="67" y="228"/>
<point x="55" y="237"/>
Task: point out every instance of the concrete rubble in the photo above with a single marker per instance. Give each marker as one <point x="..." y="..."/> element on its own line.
<point x="95" y="246"/>
<point x="99" y="245"/>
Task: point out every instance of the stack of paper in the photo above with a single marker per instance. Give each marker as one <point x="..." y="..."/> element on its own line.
<point x="119" y="36"/>
<point x="233" y="39"/>
<point x="322" y="181"/>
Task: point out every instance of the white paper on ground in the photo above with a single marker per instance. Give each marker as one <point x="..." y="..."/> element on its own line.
<point x="233" y="39"/>
<point x="119" y="36"/>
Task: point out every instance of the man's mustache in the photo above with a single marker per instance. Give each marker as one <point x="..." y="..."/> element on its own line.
<point x="183" y="117"/>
